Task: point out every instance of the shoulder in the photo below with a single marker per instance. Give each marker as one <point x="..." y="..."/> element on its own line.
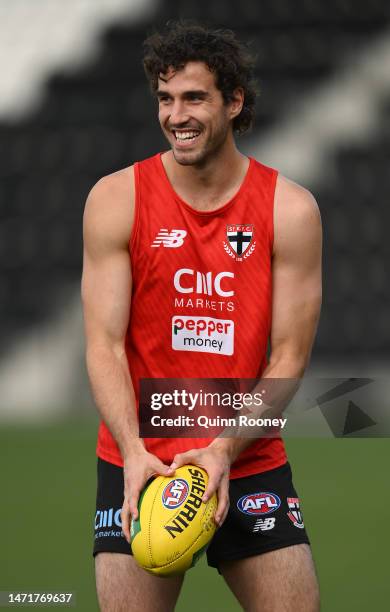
<point x="296" y="213"/>
<point x="294" y="200"/>
<point x="112" y="194"/>
<point x="109" y="209"/>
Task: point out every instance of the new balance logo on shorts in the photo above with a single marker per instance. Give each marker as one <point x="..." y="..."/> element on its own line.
<point x="170" y="240"/>
<point x="264" y="524"/>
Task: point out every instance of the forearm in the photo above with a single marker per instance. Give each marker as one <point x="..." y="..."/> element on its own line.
<point x="280" y="381"/>
<point x="113" y="394"/>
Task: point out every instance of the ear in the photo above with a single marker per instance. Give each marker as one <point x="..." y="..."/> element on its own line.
<point x="237" y="102"/>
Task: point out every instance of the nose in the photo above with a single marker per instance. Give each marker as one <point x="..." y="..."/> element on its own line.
<point x="178" y="113"/>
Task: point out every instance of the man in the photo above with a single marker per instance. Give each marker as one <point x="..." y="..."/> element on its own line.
<point x="203" y="233"/>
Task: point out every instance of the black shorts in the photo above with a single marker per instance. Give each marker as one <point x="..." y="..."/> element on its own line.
<point x="264" y="515"/>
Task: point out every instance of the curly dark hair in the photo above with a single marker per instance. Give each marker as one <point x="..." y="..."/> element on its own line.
<point x="229" y="59"/>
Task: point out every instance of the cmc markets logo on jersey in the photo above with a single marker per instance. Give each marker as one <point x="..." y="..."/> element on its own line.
<point x="203" y="334"/>
<point x="240" y="244"/>
<point x="175" y="493"/>
<point x="256" y="504"/>
<point x="208" y="290"/>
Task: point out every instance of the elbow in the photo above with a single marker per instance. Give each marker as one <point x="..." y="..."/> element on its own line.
<point x="103" y="351"/>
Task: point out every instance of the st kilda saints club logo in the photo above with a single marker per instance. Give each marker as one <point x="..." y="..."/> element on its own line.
<point x="239" y="244"/>
<point x="295" y="514"/>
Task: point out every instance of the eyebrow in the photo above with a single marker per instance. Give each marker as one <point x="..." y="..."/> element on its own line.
<point x="200" y="93"/>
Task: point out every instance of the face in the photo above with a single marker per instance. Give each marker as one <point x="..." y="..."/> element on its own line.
<point x="192" y="113"/>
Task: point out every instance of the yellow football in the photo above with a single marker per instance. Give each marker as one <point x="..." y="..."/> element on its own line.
<point x="174" y="526"/>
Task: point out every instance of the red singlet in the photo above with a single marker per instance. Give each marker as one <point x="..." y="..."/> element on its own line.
<point x="201" y="301"/>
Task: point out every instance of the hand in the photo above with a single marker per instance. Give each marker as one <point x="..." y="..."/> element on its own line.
<point x="216" y="462"/>
<point x="138" y="467"/>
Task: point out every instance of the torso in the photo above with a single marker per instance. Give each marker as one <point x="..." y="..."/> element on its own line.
<point x="202" y="294"/>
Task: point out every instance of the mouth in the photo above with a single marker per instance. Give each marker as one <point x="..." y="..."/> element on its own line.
<point x="187" y="137"/>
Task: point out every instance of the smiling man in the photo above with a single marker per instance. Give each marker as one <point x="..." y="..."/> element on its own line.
<point x="195" y="259"/>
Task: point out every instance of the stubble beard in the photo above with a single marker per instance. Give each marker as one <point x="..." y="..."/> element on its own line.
<point x="210" y="149"/>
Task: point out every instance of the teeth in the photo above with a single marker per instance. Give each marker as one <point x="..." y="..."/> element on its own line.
<point x="186" y="135"/>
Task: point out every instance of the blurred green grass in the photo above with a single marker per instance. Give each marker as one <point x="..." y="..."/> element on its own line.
<point x="48" y="481"/>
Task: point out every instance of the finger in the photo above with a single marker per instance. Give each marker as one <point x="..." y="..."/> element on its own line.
<point x="133" y="506"/>
<point x="133" y="501"/>
<point x="125" y="519"/>
<point x="222" y="510"/>
<point x="160" y="468"/>
<point x="223" y="502"/>
<point x="212" y="486"/>
<point x="182" y="459"/>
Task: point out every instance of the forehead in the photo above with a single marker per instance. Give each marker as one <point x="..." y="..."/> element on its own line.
<point x="194" y="75"/>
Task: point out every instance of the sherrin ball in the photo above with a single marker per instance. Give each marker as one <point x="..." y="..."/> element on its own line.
<point x="174" y="526"/>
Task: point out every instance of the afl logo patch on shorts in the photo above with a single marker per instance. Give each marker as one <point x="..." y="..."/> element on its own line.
<point x="256" y="504"/>
<point x="175" y="493"/>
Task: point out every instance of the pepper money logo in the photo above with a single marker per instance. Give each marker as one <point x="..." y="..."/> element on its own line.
<point x="203" y="334"/>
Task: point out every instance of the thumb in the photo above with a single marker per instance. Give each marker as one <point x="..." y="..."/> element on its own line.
<point x="181" y="459"/>
<point x="160" y="468"/>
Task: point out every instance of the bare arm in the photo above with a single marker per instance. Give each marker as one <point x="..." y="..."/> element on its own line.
<point x="106" y="293"/>
<point x="296" y="296"/>
<point x="106" y="290"/>
<point x="297" y="280"/>
<point x="296" y="302"/>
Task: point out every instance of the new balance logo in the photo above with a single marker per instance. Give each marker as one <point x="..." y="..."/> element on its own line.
<point x="264" y="524"/>
<point x="171" y="240"/>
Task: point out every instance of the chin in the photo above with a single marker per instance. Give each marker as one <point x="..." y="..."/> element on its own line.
<point x="184" y="160"/>
<point x="188" y="158"/>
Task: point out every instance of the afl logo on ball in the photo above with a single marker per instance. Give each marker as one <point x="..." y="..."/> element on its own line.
<point x="256" y="504"/>
<point x="175" y="493"/>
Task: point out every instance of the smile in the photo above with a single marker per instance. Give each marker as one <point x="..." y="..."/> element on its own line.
<point x="188" y="136"/>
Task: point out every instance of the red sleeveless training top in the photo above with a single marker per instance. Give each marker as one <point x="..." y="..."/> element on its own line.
<point x="201" y="301"/>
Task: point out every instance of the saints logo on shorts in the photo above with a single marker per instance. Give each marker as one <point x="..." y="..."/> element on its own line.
<point x="295" y="514"/>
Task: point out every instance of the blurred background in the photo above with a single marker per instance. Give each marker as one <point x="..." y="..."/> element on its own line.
<point x="74" y="106"/>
